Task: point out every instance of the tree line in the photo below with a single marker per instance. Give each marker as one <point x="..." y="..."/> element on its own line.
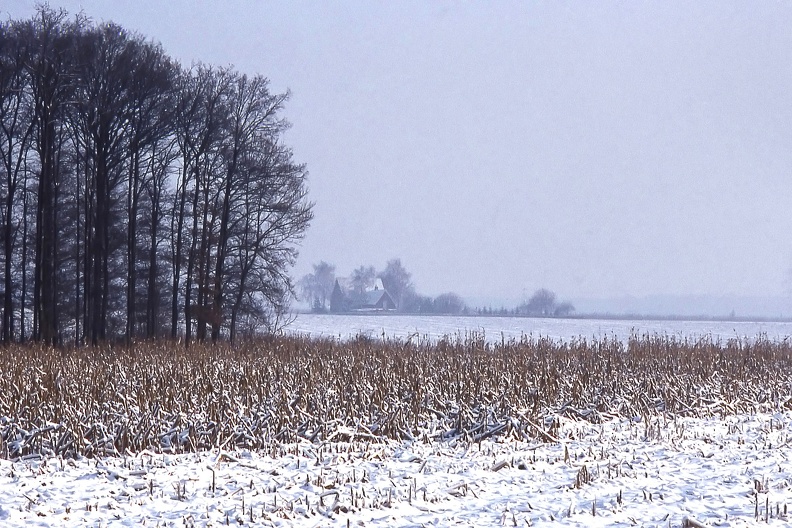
<point x="543" y="303"/>
<point x="138" y="198"/>
<point x="316" y="288"/>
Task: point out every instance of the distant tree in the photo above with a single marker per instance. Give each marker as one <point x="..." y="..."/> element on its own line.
<point x="397" y="280"/>
<point x="317" y="287"/>
<point x="563" y="309"/>
<point x="448" y="303"/>
<point x="416" y="303"/>
<point x="541" y="303"/>
<point x="362" y="279"/>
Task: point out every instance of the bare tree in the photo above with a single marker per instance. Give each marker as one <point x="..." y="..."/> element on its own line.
<point x="16" y="127"/>
<point x="50" y="66"/>
<point x="274" y="215"/>
<point x="397" y="280"/>
<point x="543" y="304"/>
<point x="563" y="309"/>
<point x="253" y="121"/>
<point x="448" y="303"/>
<point x="317" y="287"/>
<point x="200" y="127"/>
<point x="151" y="87"/>
<point x="108" y="150"/>
<point x="361" y="280"/>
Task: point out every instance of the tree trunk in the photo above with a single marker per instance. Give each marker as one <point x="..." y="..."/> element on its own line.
<point x="132" y="208"/>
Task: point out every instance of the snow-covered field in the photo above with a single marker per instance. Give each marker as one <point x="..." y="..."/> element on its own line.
<point x="677" y="471"/>
<point x="497" y="328"/>
<point x="718" y="472"/>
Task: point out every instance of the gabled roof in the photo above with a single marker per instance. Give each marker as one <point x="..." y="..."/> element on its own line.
<point x="343" y="299"/>
<point x="371" y="298"/>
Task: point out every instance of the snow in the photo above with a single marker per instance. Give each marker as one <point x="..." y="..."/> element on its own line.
<point x="497" y="328"/>
<point x="717" y="471"/>
<point x="651" y="471"/>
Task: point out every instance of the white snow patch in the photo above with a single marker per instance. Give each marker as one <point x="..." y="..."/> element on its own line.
<point x="495" y="329"/>
<point x="720" y="472"/>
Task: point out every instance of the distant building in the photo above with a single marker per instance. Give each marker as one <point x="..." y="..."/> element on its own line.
<point x="345" y="299"/>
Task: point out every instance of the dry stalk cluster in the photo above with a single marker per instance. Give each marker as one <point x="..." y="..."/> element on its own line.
<point x="162" y="397"/>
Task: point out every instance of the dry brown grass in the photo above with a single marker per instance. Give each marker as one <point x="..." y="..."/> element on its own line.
<point x="162" y="397"/>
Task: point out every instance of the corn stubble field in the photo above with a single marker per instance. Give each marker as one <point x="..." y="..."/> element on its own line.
<point x="165" y="398"/>
<point x="651" y="431"/>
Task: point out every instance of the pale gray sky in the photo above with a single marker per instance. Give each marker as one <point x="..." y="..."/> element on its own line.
<point x="594" y="148"/>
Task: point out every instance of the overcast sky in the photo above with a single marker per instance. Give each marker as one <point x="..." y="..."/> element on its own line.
<point x="596" y="149"/>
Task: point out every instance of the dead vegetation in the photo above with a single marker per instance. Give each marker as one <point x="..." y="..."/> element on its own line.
<point x="165" y="398"/>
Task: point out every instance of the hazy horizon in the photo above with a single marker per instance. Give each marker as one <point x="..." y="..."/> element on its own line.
<point x="601" y="150"/>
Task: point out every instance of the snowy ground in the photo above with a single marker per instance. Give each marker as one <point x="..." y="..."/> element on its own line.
<point x="720" y="472"/>
<point x="497" y="328"/>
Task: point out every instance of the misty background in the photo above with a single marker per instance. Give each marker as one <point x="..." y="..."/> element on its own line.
<point x="632" y="157"/>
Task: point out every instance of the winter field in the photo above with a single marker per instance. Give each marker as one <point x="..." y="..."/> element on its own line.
<point x="654" y="430"/>
<point x="494" y="329"/>
<point x="719" y="472"/>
